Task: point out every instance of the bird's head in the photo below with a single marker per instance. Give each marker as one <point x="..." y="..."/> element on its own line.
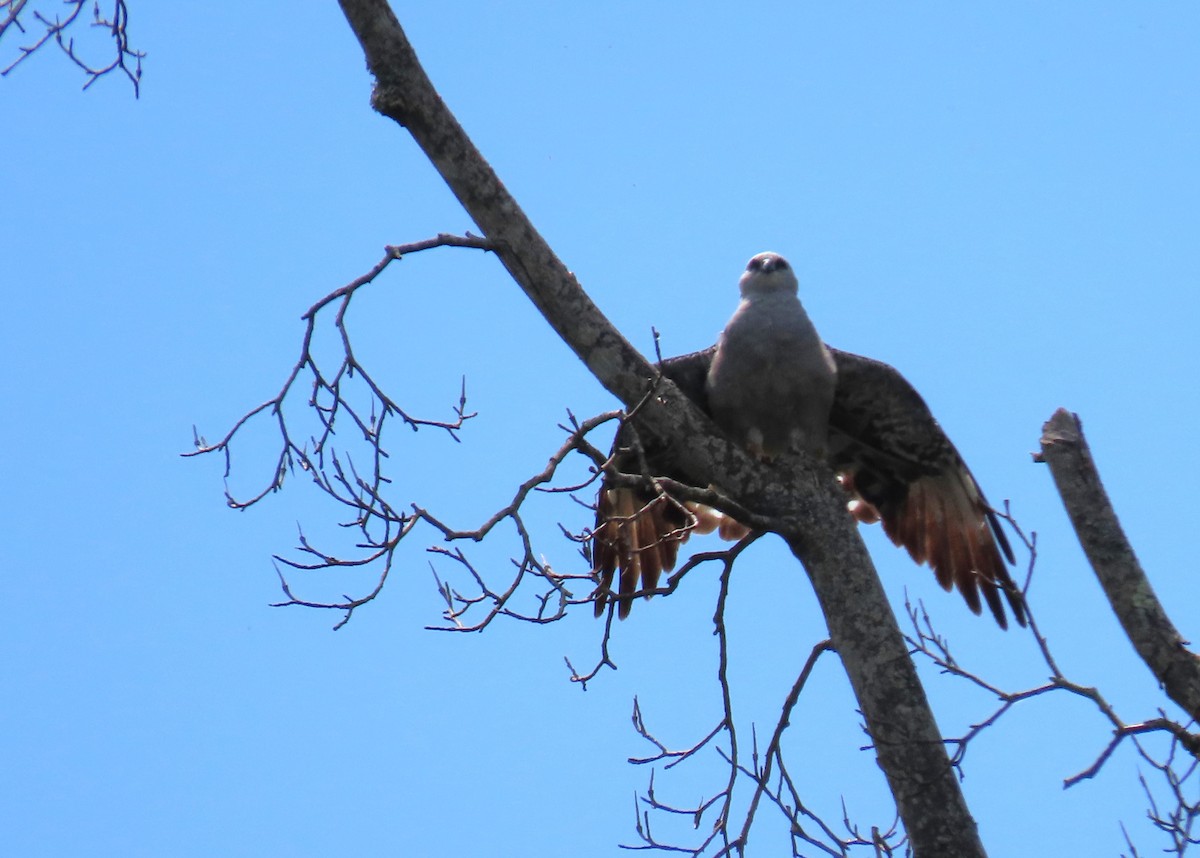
<point x="768" y="273"/>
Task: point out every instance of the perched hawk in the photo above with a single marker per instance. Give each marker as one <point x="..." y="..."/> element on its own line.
<point x="890" y="454"/>
<point x="771" y="382"/>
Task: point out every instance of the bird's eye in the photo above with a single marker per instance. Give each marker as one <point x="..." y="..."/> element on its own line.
<point x="781" y="263"/>
<point x="755" y="264"/>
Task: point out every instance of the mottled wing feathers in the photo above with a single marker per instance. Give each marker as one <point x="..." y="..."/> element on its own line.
<point x="636" y="535"/>
<point x="891" y="455"/>
<point x="900" y="468"/>
<point x="637" y="532"/>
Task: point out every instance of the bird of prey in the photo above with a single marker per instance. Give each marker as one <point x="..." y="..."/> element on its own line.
<point x="771" y="382"/>
<point x="895" y="462"/>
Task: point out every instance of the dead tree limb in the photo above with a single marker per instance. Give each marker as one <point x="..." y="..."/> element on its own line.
<point x="1125" y="584"/>
<point x="810" y="512"/>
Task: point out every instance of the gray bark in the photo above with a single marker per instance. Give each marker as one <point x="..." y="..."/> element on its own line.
<point x="1128" y="589"/>
<point x="810" y="511"/>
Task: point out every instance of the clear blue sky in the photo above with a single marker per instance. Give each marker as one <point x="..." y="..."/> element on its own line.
<point x="1000" y="201"/>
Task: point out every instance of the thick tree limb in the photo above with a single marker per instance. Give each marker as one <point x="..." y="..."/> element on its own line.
<point x="809" y="509"/>
<point x="1141" y="614"/>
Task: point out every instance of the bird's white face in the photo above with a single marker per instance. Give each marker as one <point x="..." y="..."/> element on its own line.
<point x="768" y="273"/>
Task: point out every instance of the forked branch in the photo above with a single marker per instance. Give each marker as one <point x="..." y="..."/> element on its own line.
<point x="816" y="527"/>
<point x="54" y="29"/>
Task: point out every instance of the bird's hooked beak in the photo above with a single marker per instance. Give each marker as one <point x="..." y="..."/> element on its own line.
<point x="767" y="272"/>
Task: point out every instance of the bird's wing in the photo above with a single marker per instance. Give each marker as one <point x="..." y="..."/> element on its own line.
<point x="638" y="532"/>
<point x="889" y="452"/>
<point x="894" y="458"/>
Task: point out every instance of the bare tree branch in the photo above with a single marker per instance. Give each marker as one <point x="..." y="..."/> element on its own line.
<point x="767" y="771"/>
<point x="815" y="526"/>
<point x="332" y="469"/>
<point x="1178" y="817"/>
<point x="54" y="28"/>
<point x="1142" y="616"/>
<point x="808" y="512"/>
<point x="1178" y="821"/>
